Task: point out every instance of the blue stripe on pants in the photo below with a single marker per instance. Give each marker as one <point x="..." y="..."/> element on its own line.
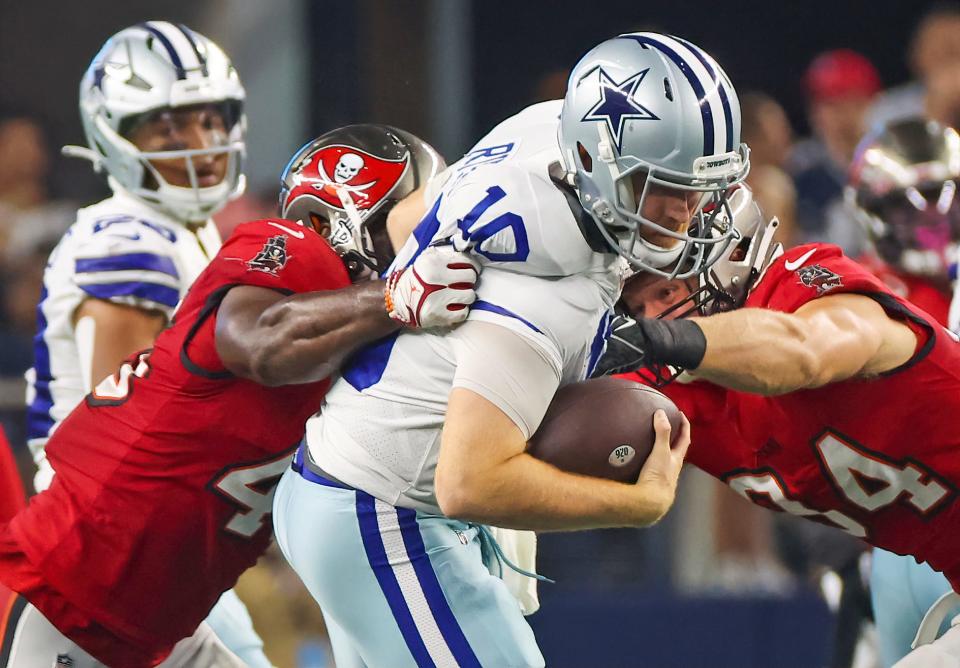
<point x="442" y="614"/>
<point x="377" y="556"/>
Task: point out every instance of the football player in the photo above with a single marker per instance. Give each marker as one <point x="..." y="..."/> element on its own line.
<point x="162" y="110"/>
<point x="903" y="188"/>
<point x="421" y="442"/>
<point x="814" y="389"/>
<point x="165" y="472"/>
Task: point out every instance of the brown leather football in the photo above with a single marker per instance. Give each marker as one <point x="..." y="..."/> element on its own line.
<point x="602" y="428"/>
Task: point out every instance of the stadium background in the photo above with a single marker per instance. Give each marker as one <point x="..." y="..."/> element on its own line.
<point x="718" y="583"/>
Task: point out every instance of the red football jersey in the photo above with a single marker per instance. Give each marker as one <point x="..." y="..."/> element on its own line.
<point x="918" y="291"/>
<point x="876" y="457"/>
<point x="165" y="474"/>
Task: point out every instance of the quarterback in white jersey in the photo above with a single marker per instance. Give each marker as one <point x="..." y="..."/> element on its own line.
<point x="421" y="444"/>
<point x="162" y="110"/>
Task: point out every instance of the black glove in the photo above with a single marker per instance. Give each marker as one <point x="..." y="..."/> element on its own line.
<point x="653" y="343"/>
<point x="624" y="351"/>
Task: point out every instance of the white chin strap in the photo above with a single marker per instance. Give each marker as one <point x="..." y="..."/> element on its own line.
<point x="654" y="255"/>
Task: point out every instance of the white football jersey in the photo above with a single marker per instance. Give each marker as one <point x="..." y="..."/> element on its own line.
<point x="379" y="429"/>
<point x="119" y="250"/>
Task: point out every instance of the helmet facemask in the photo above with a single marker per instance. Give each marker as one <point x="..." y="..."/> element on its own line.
<point x="191" y="202"/>
<point x="363" y="243"/>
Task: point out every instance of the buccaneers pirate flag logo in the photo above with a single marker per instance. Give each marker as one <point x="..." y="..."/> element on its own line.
<point x="333" y="170"/>
<point x="272" y="257"/>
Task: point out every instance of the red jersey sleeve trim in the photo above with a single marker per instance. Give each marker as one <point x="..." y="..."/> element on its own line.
<point x="921" y="327"/>
<point x="210" y="306"/>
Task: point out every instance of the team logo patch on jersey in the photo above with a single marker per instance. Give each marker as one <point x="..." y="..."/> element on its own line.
<point x="272" y="257"/>
<point x="366" y="178"/>
<point x="815" y="276"/>
<point x="63" y="660"/>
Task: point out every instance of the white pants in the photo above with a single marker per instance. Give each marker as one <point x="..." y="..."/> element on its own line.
<point x="36" y="643"/>
<point x="944" y="652"/>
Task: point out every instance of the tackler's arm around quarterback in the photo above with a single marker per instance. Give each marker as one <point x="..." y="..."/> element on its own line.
<point x="824" y="341"/>
<point x="484" y="472"/>
<point x="274" y="339"/>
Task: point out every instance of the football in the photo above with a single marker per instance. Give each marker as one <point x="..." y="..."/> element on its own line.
<point x="602" y="428"/>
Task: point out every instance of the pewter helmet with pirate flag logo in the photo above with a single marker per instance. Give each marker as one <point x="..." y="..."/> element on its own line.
<point x="345" y="182"/>
<point x="647" y="111"/>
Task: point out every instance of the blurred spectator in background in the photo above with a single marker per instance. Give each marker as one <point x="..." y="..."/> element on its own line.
<point x="770" y="138"/>
<point x="30" y="225"/>
<point x="249" y="206"/>
<point x="934" y="57"/>
<point x="840" y="86"/>
<point x="551" y="86"/>
<point x="27" y="218"/>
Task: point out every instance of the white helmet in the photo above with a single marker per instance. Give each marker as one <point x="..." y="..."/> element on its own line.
<point x="654" y="106"/>
<point x="145" y="68"/>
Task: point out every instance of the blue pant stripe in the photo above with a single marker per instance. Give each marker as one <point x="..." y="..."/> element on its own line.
<point x="377" y="557"/>
<point x="433" y="592"/>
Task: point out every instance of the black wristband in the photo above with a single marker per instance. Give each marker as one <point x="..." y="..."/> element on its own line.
<point x="675" y="342"/>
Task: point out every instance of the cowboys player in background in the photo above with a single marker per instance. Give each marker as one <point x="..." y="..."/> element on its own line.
<point x="420" y="444"/>
<point x="162" y="110"/>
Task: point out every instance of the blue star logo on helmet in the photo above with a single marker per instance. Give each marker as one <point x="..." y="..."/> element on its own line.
<point x="617" y="104"/>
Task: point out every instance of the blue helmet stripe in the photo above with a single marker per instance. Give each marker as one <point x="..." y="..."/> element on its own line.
<point x="189" y="35"/>
<point x="174" y="56"/>
<point x="724" y="100"/>
<point x="706" y="113"/>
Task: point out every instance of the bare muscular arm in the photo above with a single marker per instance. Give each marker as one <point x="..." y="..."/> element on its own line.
<point x="826" y="340"/>
<point x="274" y="339"/>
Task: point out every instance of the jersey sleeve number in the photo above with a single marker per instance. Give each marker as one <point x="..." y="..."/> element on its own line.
<point x="251" y="487"/>
<point x="116" y="389"/>
<point x="865" y="479"/>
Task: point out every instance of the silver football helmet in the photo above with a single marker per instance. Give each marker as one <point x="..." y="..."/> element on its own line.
<point x="724" y="286"/>
<point x="150" y="67"/>
<point x="902" y="189"/>
<point x="646" y="112"/>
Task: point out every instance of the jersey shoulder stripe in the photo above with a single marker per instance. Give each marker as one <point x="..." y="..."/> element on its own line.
<point x="135" y="290"/>
<point x="128" y="262"/>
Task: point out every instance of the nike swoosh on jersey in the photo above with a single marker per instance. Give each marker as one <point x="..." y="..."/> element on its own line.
<point x="790" y="265"/>
<point x="294" y="233"/>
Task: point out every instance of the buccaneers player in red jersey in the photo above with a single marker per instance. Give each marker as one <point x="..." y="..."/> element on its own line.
<point x="903" y="191"/>
<point x="165" y="474"/>
<point x="818" y="392"/>
<point x="903" y="188"/>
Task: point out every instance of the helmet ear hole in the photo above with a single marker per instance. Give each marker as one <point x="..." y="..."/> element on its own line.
<point x="320" y="224"/>
<point x="585" y="158"/>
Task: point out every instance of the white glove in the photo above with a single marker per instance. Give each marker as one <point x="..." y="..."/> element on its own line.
<point x="435" y="291"/>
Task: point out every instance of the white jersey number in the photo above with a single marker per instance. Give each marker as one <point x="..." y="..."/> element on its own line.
<point x="872" y="483"/>
<point x="251" y="487"/>
<point x="865" y="479"/>
<point x="115" y="390"/>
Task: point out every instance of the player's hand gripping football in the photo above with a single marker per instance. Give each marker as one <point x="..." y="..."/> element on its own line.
<point x="658" y="477"/>
<point x="435" y="291"/>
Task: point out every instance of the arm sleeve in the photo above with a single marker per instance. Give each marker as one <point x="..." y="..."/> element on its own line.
<point x="130" y="264"/>
<point x="507" y="370"/>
